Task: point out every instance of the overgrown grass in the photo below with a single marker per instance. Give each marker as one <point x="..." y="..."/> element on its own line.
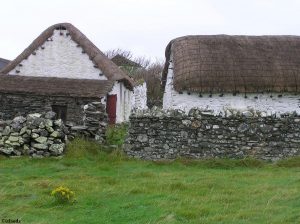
<point x="291" y="162"/>
<point x="79" y="148"/>
<point x="115" y="134"/>
<point x="222" y="163"/>
<point x="110" y="188"/>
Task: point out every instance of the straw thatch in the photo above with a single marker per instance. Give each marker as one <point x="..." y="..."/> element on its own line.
<point x="246" y="64"/>
<point x="111" y="71"/>
<point x="84" y="88"/>
<point x="123" y="61"/>
<point x="133" y="69"/>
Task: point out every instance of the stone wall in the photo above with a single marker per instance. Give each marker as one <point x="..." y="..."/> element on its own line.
<point x="95" y="121"/>
<point x="36" y="135"/>
<point x="12" y="105"/>
<point x="41" y="135"/>
<point x="200" y="134"/>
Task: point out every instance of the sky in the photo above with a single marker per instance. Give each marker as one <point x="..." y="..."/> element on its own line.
<point x="144" y="27"/>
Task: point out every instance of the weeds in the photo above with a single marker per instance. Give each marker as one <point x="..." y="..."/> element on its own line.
<point x="115" y="134"/>
<point x="290" y="162"/>
<point x="80" y="147"/>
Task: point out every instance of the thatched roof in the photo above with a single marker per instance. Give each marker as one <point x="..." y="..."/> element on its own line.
<point x="110" y="70"/>
<point x="84" y="88"/>
<point x="222" y="63"/>
<point x="123" y="61"/>
<point x="3" y="62"/>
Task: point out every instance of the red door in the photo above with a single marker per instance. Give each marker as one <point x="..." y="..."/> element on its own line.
<point x="111" y="108"/>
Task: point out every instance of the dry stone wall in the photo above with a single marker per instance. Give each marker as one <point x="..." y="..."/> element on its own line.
<point x="200" y="134"/>
<point x="41" y="135"/>
<point x="36" y="135"/>
<point x="95" y="121"/>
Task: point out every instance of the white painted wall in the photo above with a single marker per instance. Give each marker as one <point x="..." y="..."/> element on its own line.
<point x="128" y="100"/>
<point x="264" y="103"/>
<point x="139" y="99"/>
<point x="124" y="105"/>
<point x="59" y="58"/>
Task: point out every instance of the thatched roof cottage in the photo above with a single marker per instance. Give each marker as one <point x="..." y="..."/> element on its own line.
<point x="220" y="72"/>
<point x="63" y="70"/>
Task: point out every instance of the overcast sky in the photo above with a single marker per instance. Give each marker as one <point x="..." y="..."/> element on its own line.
<point x="144" y="26"/>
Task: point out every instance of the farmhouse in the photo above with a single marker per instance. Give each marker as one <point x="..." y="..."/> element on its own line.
<point x="63" y="70"/>
<point x="224" y="73"/>
<point x="139" y="99"/>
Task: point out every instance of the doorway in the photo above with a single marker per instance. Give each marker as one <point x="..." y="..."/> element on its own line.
<point x="111" y="108"/>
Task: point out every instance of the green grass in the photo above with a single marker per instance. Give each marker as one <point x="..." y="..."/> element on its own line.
<point x="110" y="188"/>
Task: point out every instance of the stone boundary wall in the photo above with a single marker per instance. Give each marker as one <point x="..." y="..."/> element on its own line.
<point x="40" y="135"/>
<point x="157" y="135"/>
<point x="36" y="135"/>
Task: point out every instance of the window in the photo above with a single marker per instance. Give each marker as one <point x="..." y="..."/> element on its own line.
<point x="61" y="112"/>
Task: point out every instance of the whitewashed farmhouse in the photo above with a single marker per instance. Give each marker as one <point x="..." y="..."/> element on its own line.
<point x="224" y="73"/>
<point x="62" y="70"/>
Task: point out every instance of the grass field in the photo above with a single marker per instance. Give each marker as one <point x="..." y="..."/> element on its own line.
<point x="113" y="189"/>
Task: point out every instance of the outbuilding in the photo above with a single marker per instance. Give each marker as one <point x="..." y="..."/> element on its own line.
<point x="63" y="70"/>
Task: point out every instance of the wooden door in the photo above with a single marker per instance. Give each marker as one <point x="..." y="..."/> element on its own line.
<point x="111" y="108"/>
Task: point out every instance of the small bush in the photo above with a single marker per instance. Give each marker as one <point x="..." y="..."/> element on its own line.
<point x="63" y="195"/>
<point x="115" y="134"/>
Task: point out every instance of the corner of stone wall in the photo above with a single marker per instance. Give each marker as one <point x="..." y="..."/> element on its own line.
<point x="95" y="122"/>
